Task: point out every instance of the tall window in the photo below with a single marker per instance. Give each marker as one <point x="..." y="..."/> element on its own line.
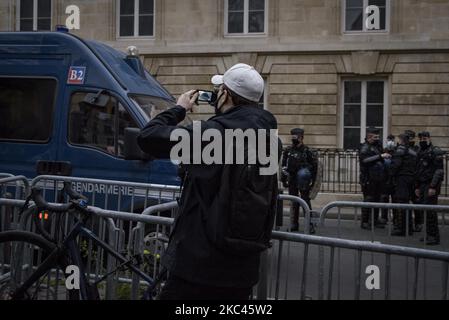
<point x="244" y="17"/>
<point x="136" y="18"/>
<point x="366" y="15"/>
<point x="34" y="15"/>
<point x="26" y="109"/>
<point x="364" y="106"/>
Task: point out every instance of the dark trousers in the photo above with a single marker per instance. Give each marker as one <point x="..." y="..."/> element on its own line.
<point x="293" y="190"/>
<point x="178" y="289"/>
<point x="372" y="192"/>
<point x="404" y="191"/>
<point x="431" y="216"/>
<point x="419" y="215"/>
<point x="387" y="197"/>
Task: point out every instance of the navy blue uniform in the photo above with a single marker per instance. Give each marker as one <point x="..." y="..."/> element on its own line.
<point x="430" y="174"/>
<point x="403" y="171"/>
<point x="301" y="164"/>
<point x="373" y="175"/>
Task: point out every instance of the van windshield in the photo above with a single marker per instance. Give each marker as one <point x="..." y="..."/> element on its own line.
<point x="152" y="106"/>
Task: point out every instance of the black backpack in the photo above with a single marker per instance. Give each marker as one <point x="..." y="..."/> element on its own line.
<point x="241" y="217"/>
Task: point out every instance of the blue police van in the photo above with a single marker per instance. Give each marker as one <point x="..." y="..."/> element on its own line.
<point x="75" y="107"/>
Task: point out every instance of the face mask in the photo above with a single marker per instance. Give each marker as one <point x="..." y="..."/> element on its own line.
<point x="424" y="144"/>
<point x="376" y="142"/>
<point x="295" y="142"/>
<point x="391" y="145"/>
<point x="216" y="104"/>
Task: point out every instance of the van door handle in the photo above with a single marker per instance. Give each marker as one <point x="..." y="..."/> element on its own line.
<point x="54" y="168"/>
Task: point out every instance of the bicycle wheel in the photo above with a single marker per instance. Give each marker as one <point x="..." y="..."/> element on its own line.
<point x="20" y="254"/>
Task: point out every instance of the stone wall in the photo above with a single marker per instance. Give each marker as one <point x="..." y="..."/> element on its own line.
<point x="303" y="57"/>
<point x="6" y="15"/>
<point x="304" y="90"/>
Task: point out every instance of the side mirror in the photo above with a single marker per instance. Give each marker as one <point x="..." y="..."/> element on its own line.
<point x="131" y="149"/>
<point x="97" y="99"/>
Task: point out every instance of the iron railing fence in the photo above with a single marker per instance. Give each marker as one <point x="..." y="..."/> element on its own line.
<point x="341" y="172"/>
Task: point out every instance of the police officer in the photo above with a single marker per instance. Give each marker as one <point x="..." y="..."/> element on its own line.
<point x="402" y="171"/>
<point x="430" y="174"/>
<point x="388" y="189"/>
<point x="418" y="215"/>
<point x="412" y="140"/>
<point x="373" y="174"/>
<point x="299" y="170"/>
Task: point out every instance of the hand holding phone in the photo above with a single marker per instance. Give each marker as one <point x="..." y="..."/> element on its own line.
<point x="188" y="99"/>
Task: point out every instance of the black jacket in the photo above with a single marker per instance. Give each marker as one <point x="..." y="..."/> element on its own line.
<point x="430" y="167"/>
<point x="403" y="163"/>
<point x="297" y="158"/>
<point x="190" y="255"/>
<point x="372" y="166"/>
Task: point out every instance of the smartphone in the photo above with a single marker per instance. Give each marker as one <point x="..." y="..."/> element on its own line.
<point x="206" y="96"/>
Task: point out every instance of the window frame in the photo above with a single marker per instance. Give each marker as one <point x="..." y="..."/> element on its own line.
<point x="245" y="32"/>
<point x="37" y="142"/>
<point x="363" y="126"/>
<point x="35" y="16"/>
<point x="115" y="121"/>
<point x="136" y="23"/>
<point x="364" y="31"/>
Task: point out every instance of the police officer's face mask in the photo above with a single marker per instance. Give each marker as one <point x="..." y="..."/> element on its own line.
<point x="424" y="144"/>
<point x="391" y="145"/>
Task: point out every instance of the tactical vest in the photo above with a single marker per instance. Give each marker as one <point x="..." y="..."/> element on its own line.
<point x="298" y="158"/>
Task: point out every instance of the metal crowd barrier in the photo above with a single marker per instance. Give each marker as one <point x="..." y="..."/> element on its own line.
<point x="310" y="267"/>
<point x="352" y="211"/>
<point x="115" y="195"/>
<point x="108" y="194"/>
<point x="147" y="238"/>
<point x="296" y="267"/>
<point x="288" y="271"/>
<point x="13" y="187"/>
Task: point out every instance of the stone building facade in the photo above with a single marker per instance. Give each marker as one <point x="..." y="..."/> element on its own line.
<point x="325" y="70"/>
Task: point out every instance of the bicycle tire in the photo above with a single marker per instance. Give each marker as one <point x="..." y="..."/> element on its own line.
<point x="35" y="240"/>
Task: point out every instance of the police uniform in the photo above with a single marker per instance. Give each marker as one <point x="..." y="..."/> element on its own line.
<point x="402" y="171"/>
<point x="300" y="166"/>
<point x="418" y="215"/>
<point x="430" y="174"/>
<point x="388" y="189"/>
<point x="373" y="175"/>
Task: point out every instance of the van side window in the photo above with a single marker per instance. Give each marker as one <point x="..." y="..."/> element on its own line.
<point x="98" y="127"/>
<point x="26" y="109"/>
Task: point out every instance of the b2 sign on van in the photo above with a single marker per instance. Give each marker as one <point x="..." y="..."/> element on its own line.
<point x="76" y="75"/>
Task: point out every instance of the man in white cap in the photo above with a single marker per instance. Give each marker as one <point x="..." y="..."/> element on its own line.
<point x="225" y="218"/>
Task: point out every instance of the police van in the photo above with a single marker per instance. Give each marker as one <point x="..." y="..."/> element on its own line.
<point x="75" y="107"/>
